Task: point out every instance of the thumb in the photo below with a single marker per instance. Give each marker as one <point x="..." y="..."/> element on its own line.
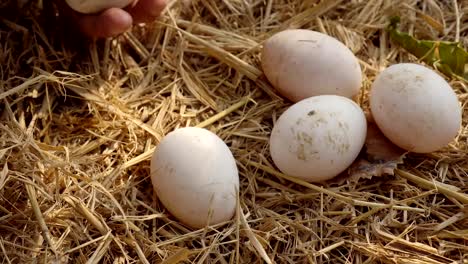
<point x="109" y="23"/>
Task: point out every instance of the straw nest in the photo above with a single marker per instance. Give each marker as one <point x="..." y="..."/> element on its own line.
<point x="80" y="121"/>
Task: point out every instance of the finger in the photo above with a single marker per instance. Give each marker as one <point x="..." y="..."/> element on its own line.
<point x="109" y="23"/>
<point x="146" y="11"/>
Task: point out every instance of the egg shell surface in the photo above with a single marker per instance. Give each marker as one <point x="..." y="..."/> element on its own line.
<point x="95" y="6"/>
<point x="318" y="138"/>
<point x="415" y="107"/>
<point x="195" y="176"/>
<point x="301" y="63"/>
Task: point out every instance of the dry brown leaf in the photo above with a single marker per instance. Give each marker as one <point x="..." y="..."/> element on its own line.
<point x="379" y="157"/>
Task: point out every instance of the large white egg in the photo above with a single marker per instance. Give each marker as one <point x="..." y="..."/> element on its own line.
<point x="95" y="6"/>
<point x="301" y="63"/>
<point x="415" y="107"/>
<point x="318" y="138"/>
<point x="195" y="176"/>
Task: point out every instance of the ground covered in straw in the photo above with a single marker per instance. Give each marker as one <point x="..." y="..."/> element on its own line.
<point x="80" y="120"/>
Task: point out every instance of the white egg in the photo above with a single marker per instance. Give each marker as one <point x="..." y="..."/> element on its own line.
<point x="95" y="6"/>
<point x="195" y="176"/>
<point x="302" y="63"/>
<point x="318" y="138"/>
<point x="415" y="107"/>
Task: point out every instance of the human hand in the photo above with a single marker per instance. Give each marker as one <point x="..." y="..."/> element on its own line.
<point x="114" y="21"/>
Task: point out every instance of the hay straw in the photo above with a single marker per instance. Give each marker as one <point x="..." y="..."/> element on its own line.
<point x="253" y="239"/>
<point x="80" y="121"/>
<point x="448" y="190"/>
<point x="37" y="211"/>
<point x="329" y="192"/>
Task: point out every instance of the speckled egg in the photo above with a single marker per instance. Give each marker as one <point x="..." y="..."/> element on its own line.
<point x="318" y="138"/>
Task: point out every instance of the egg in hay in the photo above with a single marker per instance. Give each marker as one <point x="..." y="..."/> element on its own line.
<point x="318" y="138"/>
<point x="95" y="6"/>
<point x="415" y="107"/>
<point x="195" y="176"/>
<point x="301" y="63"/>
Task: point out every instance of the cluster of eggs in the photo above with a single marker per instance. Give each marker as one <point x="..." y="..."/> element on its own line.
<point x="195" y="175"/>
<point x="319" y="136"/>
<point x="323" y="132"/>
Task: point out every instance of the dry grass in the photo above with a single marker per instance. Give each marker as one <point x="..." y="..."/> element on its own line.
<point x="79" y="124"/>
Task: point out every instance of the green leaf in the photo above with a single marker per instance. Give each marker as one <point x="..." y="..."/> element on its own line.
<point x="448" y="57"/>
